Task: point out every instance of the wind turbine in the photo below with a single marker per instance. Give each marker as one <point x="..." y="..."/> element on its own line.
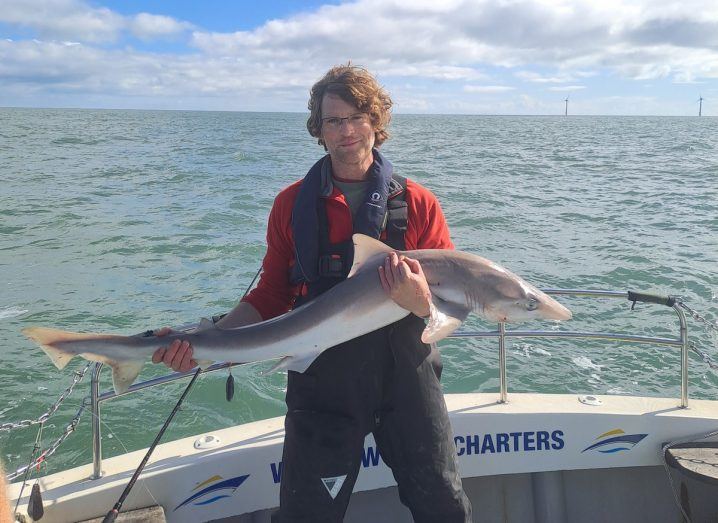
<point x="565" y="113"/>
<point x="700" y="106"/>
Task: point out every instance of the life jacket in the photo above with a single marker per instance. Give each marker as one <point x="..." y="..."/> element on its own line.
<point x="319" y="264"/>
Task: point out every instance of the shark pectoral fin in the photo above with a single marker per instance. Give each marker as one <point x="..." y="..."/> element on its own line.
<point x="444" y="318"/>
<point x="296" y="363"/>
<point x="124" y="373"/>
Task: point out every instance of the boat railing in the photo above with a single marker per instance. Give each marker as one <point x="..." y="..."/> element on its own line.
<point x="96" y="398"/>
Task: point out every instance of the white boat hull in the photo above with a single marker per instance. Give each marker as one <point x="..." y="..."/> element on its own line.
<point x="521" y="452"/>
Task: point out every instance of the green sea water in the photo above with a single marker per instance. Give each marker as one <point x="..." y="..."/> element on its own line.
<point x="120" y="221"/>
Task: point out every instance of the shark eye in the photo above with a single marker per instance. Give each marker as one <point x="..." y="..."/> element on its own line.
<point x="532" y="304"/>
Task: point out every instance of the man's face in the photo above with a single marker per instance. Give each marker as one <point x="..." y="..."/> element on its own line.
<point x="351" y="141"/>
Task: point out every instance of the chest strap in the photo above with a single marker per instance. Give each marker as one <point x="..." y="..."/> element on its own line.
<point x="335" y="259"/>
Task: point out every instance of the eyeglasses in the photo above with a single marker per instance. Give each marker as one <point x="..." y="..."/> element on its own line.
<point x="355" y="120"/>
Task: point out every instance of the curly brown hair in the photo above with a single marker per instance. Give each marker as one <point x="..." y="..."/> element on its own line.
<point x="355" y="85"/>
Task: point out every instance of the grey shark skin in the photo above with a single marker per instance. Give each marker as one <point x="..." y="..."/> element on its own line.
<point x="460" y="283"/>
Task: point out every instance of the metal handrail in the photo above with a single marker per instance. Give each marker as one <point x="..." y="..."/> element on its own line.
<point x="501" y="333"/>
<point x="97" y="398"/>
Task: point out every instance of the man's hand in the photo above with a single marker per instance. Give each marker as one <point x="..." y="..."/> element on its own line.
<point x="177" y="355"/>
<point x="404" y="281"/>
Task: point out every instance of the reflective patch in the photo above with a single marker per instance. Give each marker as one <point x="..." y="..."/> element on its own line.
<point x="334" y="485"/>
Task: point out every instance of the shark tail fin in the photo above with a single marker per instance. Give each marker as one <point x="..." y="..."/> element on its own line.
<point x="48" y="340"/>
<point x="57" y="345"/>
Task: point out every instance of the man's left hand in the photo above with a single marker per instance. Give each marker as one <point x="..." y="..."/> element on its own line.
<point x="404" y="281"/>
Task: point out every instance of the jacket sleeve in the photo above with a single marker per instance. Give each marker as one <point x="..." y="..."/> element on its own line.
<point x="274" y="294"/>
<point x="426" y="228"/>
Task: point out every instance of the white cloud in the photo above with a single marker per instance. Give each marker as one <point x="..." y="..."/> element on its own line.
<point x="78" y="20"/>
<point x="428" y="70"/>
<point x="566" y="88"/>
<point x="575" y="38"/>
<point x="538" y="78"/>
<point x="79" y="68"/>
<point x="148" y="26"/>
<point x="487" y="89"/>
<point x="63" y="19"/>
<point x="461" y="48"/>
<point x="530" y="76"/>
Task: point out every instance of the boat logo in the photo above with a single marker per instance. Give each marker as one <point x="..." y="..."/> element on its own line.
<point x="215" y="488"/>
<point x="375" y="196"/>
<point x="334" y="485"/>
<point x="615" y="440"/>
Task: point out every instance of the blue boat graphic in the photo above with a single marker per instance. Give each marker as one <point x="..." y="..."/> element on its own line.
<point x="220" y="488"/>
<point x="615" y="441"/>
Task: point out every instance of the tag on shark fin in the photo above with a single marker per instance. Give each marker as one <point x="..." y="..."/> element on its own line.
<point x="204" y="324"/>
<point x="124" y="373"/>
<point x="364" y="248"/>
<point x="299" y="364"/>
<point x="444" y="318"/>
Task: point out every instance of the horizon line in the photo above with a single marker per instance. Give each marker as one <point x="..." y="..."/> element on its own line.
<point x="304" y="112"/>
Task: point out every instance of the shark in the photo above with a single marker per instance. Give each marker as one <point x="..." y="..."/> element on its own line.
<point x="460" y="283"/>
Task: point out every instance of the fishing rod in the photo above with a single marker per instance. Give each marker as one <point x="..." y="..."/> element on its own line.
<point x="112" y="514"/>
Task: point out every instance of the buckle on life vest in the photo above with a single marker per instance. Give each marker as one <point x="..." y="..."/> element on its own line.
<point x="331" y="266"/>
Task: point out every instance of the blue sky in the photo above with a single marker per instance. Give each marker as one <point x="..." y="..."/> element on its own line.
<point x="454" y="56"/>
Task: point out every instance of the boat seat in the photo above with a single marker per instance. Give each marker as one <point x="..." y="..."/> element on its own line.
<point x="694" y="475"/>
<point x="698" y="460"/>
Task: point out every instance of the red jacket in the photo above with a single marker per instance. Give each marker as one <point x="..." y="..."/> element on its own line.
<point x="274" y="295"/>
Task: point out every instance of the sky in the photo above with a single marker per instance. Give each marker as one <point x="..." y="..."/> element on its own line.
<point x="632" y="57"/>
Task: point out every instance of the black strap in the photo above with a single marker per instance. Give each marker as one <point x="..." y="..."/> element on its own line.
<point x="398" y="215"/>
<point x="333" y="262"/>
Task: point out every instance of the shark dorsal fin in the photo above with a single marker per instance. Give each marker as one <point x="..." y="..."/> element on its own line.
<point x="364" y="248"/>
<point x="205" y="324"/>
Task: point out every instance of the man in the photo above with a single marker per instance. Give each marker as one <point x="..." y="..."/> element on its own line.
<point x="387" y="381"/>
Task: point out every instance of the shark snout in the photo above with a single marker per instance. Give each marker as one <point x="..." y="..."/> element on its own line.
<point x="553" y="310"/>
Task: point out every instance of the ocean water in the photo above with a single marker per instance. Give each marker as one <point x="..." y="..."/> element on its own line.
<point x="120" y="221"/>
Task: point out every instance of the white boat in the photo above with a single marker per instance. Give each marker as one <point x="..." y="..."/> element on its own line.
<point x="523" y="457"/>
